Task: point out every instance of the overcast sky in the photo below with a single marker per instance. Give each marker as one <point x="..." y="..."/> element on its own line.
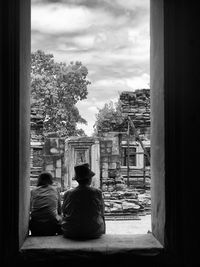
<point x="110" y="37"/>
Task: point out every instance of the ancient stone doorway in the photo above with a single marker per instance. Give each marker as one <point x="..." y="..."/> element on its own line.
<point x="82" y="155"/>
<point x="81" y="150"/>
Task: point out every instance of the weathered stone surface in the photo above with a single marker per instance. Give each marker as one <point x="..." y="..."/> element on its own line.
<point x="104" y="187"/>
<point x="137" y="105"/>
<point x="127" y="201"/>
<point x="36" y="143"/>
<point x="49" y="167"/>
<point x="105" y="165"/>
<point x="104" y="173"/>
<point x="108" y="150"/>
<point x="58" y="163"/>
<point x="55" y="247"/>
<point x="111" y="188"/>
<point x="104" y="158"/>
<point x="114" y="158"/>
<point x="111" y="173"/>
<point x="58" y="172"/>
<point x="130" y="207"/>
<point x="119" y="187"/>
<point x="112" y="165"/>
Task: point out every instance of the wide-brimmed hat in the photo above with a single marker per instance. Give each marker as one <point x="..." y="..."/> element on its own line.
<point x="83" y="172"/>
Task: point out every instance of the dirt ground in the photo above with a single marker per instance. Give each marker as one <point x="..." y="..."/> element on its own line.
<point x="129" y="227"/>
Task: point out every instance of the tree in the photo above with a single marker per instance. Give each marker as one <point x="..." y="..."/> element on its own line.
<point x="109" y="118"/>
<point x="55" y="90"/>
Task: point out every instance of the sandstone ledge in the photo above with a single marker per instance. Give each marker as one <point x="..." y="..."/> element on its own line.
<point x="57" y="247"/>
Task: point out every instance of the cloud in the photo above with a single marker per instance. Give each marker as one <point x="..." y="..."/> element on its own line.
<point x="58" y="18"/>
<point x="111" y="38"/>
<point x="62" y="18"/>
<point x="116" y="7"/>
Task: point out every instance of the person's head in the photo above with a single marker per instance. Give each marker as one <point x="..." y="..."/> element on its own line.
<point x="83" y="174"/>
<point x="45" y="178"/>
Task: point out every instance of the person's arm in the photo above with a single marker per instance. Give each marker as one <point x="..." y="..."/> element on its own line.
<point x="31" y="202"/>
<point x="59" y="203"/>
<point x="102" y="203"/>
<point x="64" y="202"/>
<point x="103" y="210"/>
<point x="103" y="207"/>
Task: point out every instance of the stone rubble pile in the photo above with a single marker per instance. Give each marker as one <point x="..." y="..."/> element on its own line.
<point x="129" y="201"/>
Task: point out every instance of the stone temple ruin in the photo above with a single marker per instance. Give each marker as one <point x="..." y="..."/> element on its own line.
<point x="118" y="158"/>
<point x="37" y="144"/>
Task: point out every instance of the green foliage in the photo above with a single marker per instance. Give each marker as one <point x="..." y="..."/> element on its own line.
<point x="55" y="90"/>
<point x="109" y="118"/>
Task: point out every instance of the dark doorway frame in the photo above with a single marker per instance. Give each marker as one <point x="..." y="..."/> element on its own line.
<point x="173" y="37"/>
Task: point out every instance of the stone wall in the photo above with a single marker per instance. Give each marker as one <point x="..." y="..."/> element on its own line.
<point x="46" y="152"/>
<point x="36" y="145"/>
<point x="110" y="161"/>
<point x="114" y="175"/>
<point x="136" y="105"/>
<point x="54" y="158"/>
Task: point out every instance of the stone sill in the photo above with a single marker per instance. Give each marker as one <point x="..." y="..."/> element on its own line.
<point x="59" y="247"/>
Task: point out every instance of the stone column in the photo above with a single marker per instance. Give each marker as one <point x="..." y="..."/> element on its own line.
<point x="95" y="163"/>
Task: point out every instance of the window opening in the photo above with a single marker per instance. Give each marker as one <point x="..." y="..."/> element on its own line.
<point x="132" y="156"/>
<point x="100" y="52"/>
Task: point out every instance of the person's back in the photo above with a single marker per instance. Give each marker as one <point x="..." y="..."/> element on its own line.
<point x="45" y="207"/>
<point x="44" y="203"/>
<point x="83" y="211"/>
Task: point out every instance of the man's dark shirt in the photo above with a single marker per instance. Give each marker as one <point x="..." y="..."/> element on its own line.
<point x="83" y="212"/>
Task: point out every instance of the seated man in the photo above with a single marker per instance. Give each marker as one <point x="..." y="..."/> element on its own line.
<point x="45" y="207"/>
<point x="83" y="207"/>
